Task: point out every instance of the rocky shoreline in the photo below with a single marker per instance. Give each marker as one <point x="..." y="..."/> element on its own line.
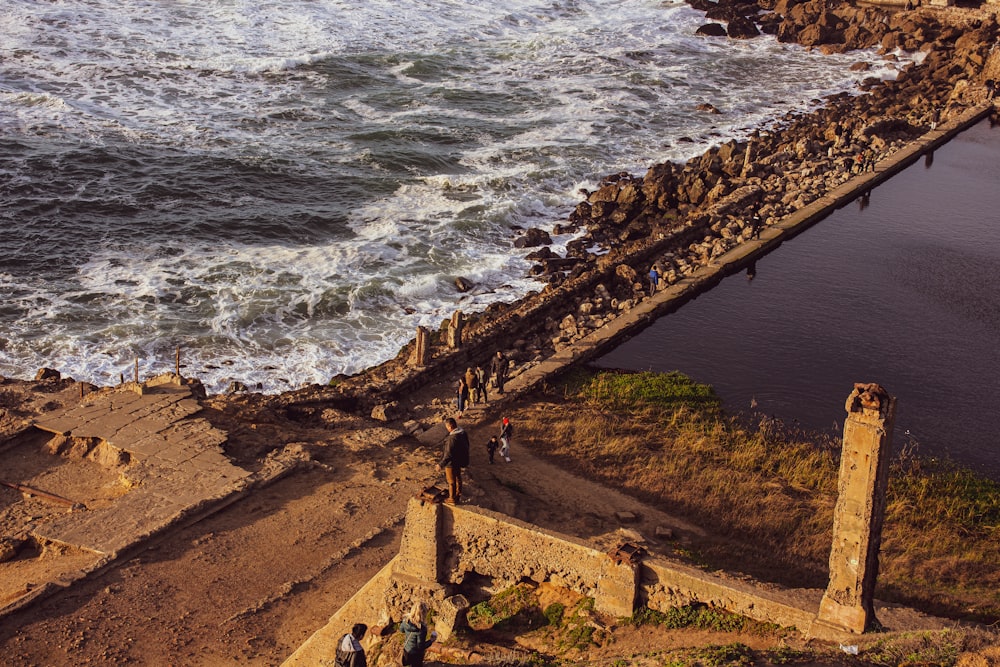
<point x="681" y="216"/>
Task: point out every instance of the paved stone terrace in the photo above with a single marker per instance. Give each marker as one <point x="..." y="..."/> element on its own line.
<point x="181" y="464"/>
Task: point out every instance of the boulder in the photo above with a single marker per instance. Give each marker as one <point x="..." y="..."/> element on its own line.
<point x="711" y="30"/>
<point x="542" y="253"/>
<point x="742" y="28"/>
<point x="533" y="238"/>
<point x="463" y="284"/>
<point x="8" y="548"/>
<point x="385" y="412"/>
<point x="47" y="374"/>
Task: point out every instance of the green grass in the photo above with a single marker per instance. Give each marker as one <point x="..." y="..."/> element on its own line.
<point x="640" y="391"/>
<point x="701" y="617"/>
<point x="729" y="655"/>
<point x="663" y="439"/>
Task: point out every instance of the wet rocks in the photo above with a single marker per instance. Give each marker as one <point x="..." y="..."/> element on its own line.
<point x="532" y="238"/>
<point x="711" y="30"/>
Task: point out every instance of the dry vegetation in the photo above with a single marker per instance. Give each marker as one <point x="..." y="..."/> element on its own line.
<point x="664" y="439"/>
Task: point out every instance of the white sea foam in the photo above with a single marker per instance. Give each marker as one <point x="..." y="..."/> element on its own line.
<point x="480" y="116"/>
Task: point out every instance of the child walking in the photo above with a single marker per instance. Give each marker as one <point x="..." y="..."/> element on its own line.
<point x="506" y="432"/>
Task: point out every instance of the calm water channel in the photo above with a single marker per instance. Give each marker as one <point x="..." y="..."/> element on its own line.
<point x="903" y="291"/>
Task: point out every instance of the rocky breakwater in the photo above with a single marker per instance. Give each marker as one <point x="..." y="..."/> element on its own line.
<point x="681" y="216"/>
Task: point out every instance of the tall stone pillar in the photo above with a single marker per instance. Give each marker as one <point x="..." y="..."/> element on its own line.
<point x="860" y="510"/>
<point x="422" y="350"/>
<point x="747" y="158"/>
<point x="455" y="330"/>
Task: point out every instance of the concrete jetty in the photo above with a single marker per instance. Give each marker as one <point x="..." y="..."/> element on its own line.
<point x="673" y="296"/>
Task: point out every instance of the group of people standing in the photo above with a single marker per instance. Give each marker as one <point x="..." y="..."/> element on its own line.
<point x="474" y="385"/>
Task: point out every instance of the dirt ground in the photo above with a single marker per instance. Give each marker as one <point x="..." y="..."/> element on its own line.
<point x="249" y="584"/>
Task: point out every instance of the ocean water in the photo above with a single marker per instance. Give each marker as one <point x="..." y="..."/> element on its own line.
<point x="287" y="190"/>
<point x="898" y="288"/>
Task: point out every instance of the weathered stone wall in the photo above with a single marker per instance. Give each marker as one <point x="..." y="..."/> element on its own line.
<point x="473" y="540"/>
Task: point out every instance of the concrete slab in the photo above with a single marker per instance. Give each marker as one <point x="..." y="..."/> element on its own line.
<point x="182" y="459"/>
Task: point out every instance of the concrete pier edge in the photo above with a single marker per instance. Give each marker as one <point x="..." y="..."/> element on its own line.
<point x="673" y="296"/>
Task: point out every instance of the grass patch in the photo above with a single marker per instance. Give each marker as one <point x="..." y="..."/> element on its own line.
<point x="513" y="608"/>
<point x="641" y="391"/>
<point x="768" y="492"/>
<point x="701" y="617"/>
<point x="729" y="655"/>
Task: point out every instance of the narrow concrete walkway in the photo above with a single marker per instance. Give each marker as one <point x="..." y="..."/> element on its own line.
<point x="673" y="296"/>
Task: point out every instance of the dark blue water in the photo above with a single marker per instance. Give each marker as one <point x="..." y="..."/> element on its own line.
<point x="903" y="290"/>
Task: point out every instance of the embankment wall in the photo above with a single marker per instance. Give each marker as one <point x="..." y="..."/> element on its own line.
<point x="454" y="543"/>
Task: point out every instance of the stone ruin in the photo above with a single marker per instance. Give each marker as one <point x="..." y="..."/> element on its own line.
<point x="444" y="545"/>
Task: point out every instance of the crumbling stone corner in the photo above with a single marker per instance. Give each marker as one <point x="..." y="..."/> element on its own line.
<point x="451" y="615"/>
<point x="418" y="551"/>
<point x="617" y="588"/>
<point x="860" y="510"/>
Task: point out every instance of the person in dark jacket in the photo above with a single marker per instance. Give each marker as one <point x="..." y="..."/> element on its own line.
<point x="415" y="642"/>
<point x="499" y="367"/>
<point x="454" y="457"/>
<point x="349" y="651"/>
<point x="492" y="446"/>
<point x="481" y="378"/>
<point x="462" y="395"/>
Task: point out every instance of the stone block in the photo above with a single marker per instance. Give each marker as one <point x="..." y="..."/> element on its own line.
<point x="617" y="588"/>
<point x="451" y="616"/>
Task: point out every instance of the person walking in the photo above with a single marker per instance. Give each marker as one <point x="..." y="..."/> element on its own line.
<point x="472" y="382"/>
<point x="454" y="457"/>
<point x="415" y="642"/>
<point x="506" y="433"/>
<point x="492" y="446"/>
<point x="349" y="651"/>
<point x="654" y="279"/>
<point x="500" y="366"/>
<point x="462" y="395"/>
<point x="755" y="225"/>
<point x="481" y="378"/>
